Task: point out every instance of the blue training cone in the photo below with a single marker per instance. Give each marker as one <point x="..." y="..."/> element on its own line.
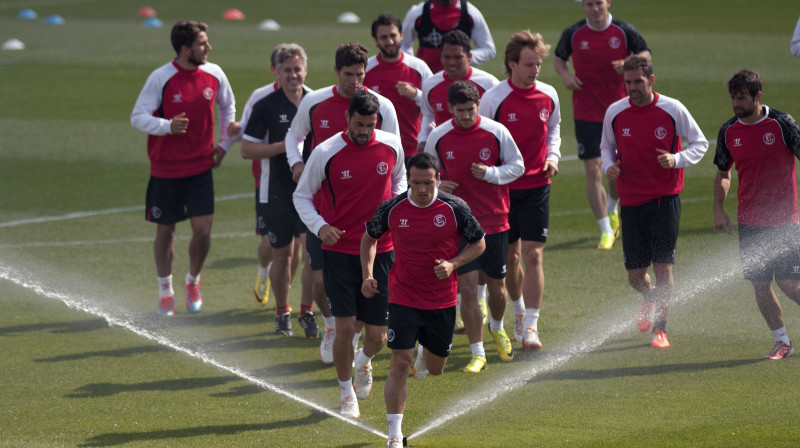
<point x="27" y="14"/>
<point x="55" y="19"/>
<point x="152" y="22"/>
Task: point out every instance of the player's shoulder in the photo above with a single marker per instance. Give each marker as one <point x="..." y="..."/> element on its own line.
<point x="547" y="89"/>
<point x="572" y="29"/>
<point x="498" y="92"/>
<point x="483" y="78"/>
<point x="473" y="10"/>
<point x="622" y="24"/>
<point x="372" y="62"/>
<point x="669" y="104"/>
<point x="433" y="81"/>
<point x="730" y="122"/>
<point x="452" y="200"/>
<point x="212" y="69"/>
<point x="417" y="64"/>
<point x="415" y="10"/>
<point x="262" y="92"/>
<point x="163" y="72"/>
<point x="440" y="130"/>
<point x="388" y="138"/>
<point x="618" y="106"/>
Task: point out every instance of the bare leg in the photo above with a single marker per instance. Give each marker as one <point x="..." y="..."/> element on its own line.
<point x="470" y="312"/>
<point x="164" y="249"/>
<point x="200" y="244"/>
<point x="595" y="192"/>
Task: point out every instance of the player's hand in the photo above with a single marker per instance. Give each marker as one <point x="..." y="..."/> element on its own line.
<point x="421" y="147"/>
<point x="478" y="170"/>
<point x="234" y="128"/>
<point x="666" y="159"/>
<point x="550" y="169"/>
<point x="617" y="65"/>
<point x="369" y="288"/>
<point x="722" y="221"/>
<point x="218" y="155"/>
<point x="297" y="171"/>
<point x="613" y="171"/>
<point x="572" y="82"/>
<point x="178" y="124"/>
<point x="443" y="269"/>
<point x="448" y="186"/>
<point x="329" y="234"/>
<point x="406" y="90"/>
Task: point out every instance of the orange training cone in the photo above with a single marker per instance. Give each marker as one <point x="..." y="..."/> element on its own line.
<point x="233" y="14"/>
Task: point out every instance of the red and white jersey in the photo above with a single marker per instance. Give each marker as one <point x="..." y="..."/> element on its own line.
<point x="763" y="154"/>
<point x="423" y="234"/>
<point x="434" y="97"/>
<point x="169" y="91"/>
<point x="533" y="116"/>
<point x="352" y="181"/>
<point x="592" y="52"/>
<point x="633" y="135"/>
<point x="446" y="18"/>
<point x="382" y="77"/>
<point x="487" y="142"/>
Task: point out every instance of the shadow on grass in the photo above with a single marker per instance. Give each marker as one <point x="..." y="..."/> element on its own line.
<point x="119" y="353"/>
<point x="581" y="243"/>
<point x="57" y="327"/>
<point x="97" y="390"/>
<point x="120" y="438"/>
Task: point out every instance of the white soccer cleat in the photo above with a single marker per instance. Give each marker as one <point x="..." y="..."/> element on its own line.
<point x="326" y="346"/>
<point x="531" y="339"/>
<point x="519" y="327"/>
<point x="349" y="408"/>
<point x="420" y="368"/>
<point x="362" y="381"/>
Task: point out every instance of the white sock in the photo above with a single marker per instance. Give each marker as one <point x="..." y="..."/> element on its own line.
<point x="356" y="338"/>
<point x="519" y="306"/>
<point x="477" y="349"/>
<point x="482" y="293"/>
<point x="458" y="302"/>
<point x="780" y="335"/>
<point x="264" y="270"/>
<point x="611" y="205"/>
<point x="189" y="279"/>
<point x="330" y="321"/>
<point x="346" y="389"/>
<point x="395" y="422"/>
<point x="495" y="325"/>
<point x="532" y="318"/>
<point x="605" y="225"/>
<point x="362" y="359"/>
<point x="165" y="286"/>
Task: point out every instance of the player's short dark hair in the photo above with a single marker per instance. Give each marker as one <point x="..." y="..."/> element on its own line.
<point x="521" y="40"/>
<point x="746" y="81"/>
<point x="364" y="103"/>
<point x="423" y="161"/>
<point x="636" y="63"/>
<point x="288" y="51"/>
<point x="352" y="53"/>
<point x="461" y="92"/>
<point x="457" y="37"/>
<point x="273" y="57"/>
<point x="386" y="19"/>
<point x="185" y="32"/>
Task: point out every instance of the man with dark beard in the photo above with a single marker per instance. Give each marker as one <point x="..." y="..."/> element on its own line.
<point x="398" y="76"/>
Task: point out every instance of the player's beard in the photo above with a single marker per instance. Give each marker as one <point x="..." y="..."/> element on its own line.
<point x="390" y="55"/>
<point x="742" y="112"/>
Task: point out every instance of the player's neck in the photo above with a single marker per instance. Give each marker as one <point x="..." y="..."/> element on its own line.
<point x="753" y="118"/>
<point x="294" y="95"/>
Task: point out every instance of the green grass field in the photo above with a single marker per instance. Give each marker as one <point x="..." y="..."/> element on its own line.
<point x="87" y="363"/>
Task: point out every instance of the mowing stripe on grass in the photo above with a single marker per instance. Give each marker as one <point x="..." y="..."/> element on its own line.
<point x="116" y="317"/>
<point x="146" y="239"/>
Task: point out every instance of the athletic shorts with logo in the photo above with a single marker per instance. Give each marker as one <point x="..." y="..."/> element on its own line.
<point x="432" y="328"/>
<point x="493" y="260"/>
<point x="650" y="232"/>
<point x="341" y="274"/>
<point x="529" y="214"/>
<point x="171" y="200"/>
<point x="770" y="252"/>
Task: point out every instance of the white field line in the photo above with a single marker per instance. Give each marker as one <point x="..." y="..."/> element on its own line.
<point x="29" y="3"/>
<point x="117" y="318"/>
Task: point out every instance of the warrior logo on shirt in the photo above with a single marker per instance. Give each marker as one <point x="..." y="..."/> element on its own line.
<point x="439" y="220"/>
<point x="176" y="98"/>
<point x="383" y="168"/>
<point x="324" y="124"/>
<point x="544" y="114"/>
<point x="661" y="133"/>
<point x="626" y="132"/>
<point x="584" y="45"/>
<point x="614" y="42"/>
<point x="449" y="155"/>
<point x="208" y="93"/>
<point x="485" y="154"/>
<point x="769" y="138"/>
<point x="512" y="116"/>
<point x="346" y="174"/>
<point x="439" y="107"/>
<point x="284" y="118"/>
<point x="737" y="142"/>
<point x="403" y="222"/>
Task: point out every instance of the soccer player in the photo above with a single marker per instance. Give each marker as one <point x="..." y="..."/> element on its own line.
<point x="398" y="76"/>
<point x="598" y="45"/>
<point x="279" y="223"/>
<point x="176" y="109"/>
<point x="530" y="110"/>
<point x="479" y="159"/>
<point x="456" y="55"/>
<point x="321" y="115"/>
<point x="641" y="150"/>
<point x="353" y="172"/>
<point x="762" y="143"/>
<point x="426" y="226"/>
<point x="430" y="20"/>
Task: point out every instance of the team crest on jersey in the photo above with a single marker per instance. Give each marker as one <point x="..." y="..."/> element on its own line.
<point x="208" y="93"/>
<point x="449" y="155"/>
<point x="661" y="133"/>
<point x="584" y="45"/>
<point x="390" y="335"/>
<point x="284" y="118"/>
<point x="404" y="222"/>
<point x="485" y="154"/>
<point x="614" y="42"/>
<point x="626" y="132"/>
<point x="176" y="98"/>
<point x="439" y="220"/>
<point x="544" y="114"/>
<point x="346" y="174"/>
<point x="155" y="212"/>
<point x="769" y="138"/>
<point x="324" y="124"/>
<point x="383" y="168"/>
<point x="439" y="107"/>
<point x="512" y="116"/>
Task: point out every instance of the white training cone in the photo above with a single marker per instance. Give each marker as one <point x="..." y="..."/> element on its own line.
<point x="269" y="25"/>
<point x="13" y="44"/>
<point x="348" y="17"/>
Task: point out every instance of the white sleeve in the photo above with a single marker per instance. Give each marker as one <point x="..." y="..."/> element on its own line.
<point x="148" y="102"/>
<point x="399" y="181"/>
<point x="427" y="122"/>
<point x="553" y="138"/>
<point x="303" y="197"/>
<point x="795" y="45"/>
<point x="389" y="121"/>
<point x="687" y="128"/>
<point x="484" y="50"/>
<point x="226" y="106"/>
<point x="608" y="143"/>
<point x="513" y="164"/>
<point x="297" y="132"/>
<point x="409" y="30"/>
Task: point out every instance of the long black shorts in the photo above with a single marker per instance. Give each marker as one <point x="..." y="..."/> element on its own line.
<point x="341" y="274"/>
<point x="432" y="328"/>
<point x="588" y="134"/>
<point x="529" y="214"/>
<point x="650" y="232"/>
<point x="171" y="200"/>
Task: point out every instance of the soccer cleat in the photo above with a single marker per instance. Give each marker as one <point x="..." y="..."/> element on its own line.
<point x="519" y="327"/>
<point x="780" y="351"/>
<point x="349" y="408"/>
<point x="326" y="346"/>
<point x="476" y="364"/>
<point x="261" y="290"/>
<point x="644" y="320"/>
<point x="531" y="340"/>
<point x="362" y="381"/>
<point x="606" y="241"/>
<point x="309" y="324"/>
<point x="166" y="306"/>
<point x="616" y="226"/>
<point x="420" y="368"/>
<point x="395" y="442"/>
<point x="194" y="301"/>
<point x="283" y="324"/>
<point x="659" y="339"/>
<point x="484" y="311"/>
<point x="459" y="322"/>
<point x="503" y="344"/>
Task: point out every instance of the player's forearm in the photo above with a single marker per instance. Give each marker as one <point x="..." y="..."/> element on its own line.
<point x="254" y="150"/>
